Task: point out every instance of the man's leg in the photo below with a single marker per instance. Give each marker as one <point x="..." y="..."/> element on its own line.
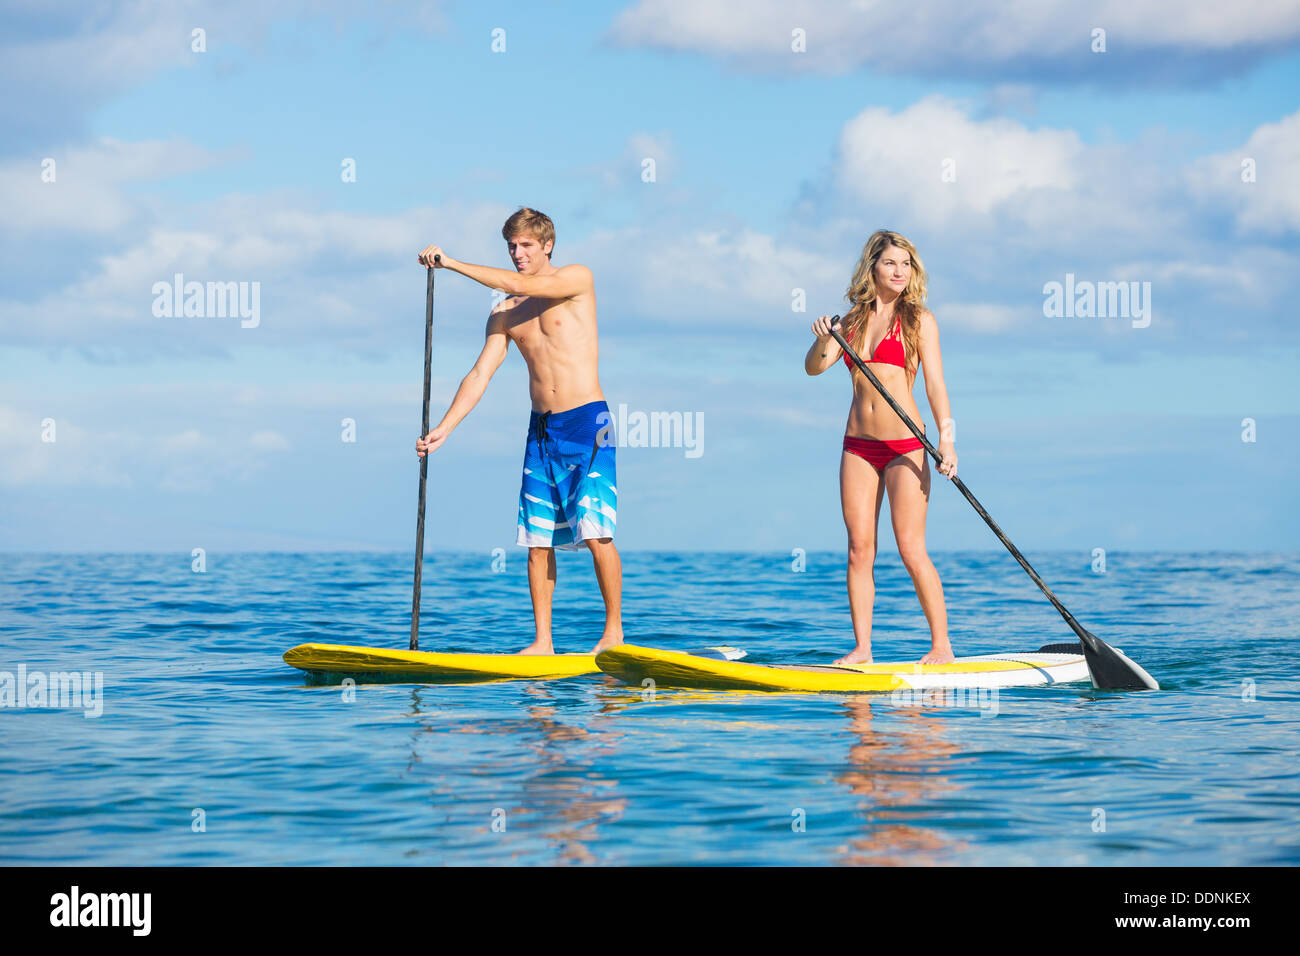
<point x="541" y="586"/>
<point x="609" y="574"/>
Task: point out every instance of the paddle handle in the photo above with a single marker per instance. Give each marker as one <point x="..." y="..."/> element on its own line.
<point x="424" y="461"/>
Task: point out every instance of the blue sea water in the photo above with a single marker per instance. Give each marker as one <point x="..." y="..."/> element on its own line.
<point x="210" y="750"/>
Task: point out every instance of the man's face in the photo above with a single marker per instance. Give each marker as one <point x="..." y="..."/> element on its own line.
<point x="528" y="254"/>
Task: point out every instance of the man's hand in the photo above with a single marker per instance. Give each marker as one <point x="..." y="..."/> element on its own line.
<point x="431" y="441"/>
<point x="434" y="256"/>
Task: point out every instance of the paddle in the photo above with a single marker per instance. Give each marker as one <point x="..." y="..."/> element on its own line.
<point x="424" y="461"/>
<point x="1110" y="669"/>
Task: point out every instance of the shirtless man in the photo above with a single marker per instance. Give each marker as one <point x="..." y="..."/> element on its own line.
<point x="569" y="495"/>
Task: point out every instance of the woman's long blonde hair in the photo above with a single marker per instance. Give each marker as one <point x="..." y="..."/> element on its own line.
<point x="862" y="296"/>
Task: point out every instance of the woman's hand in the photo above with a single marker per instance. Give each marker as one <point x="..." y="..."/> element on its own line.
<point x="948" y="452"/>
<point x="431" y="441"/>
<point x="822" y="326"/>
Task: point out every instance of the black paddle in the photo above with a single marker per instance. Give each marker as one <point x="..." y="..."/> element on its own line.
<point x="1110" y="669"/>
<point x="424" y="461"/>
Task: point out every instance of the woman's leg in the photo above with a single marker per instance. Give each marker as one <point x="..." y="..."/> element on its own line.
<point x="907" y="478"/>
<point x="861" y="491"/>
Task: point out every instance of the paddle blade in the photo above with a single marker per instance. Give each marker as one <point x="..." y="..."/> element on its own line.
<point x="1112" y="669"/>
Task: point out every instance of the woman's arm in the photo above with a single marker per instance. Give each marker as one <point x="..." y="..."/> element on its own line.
<point x="824" y="352"/>
<point x="937" y="392"/>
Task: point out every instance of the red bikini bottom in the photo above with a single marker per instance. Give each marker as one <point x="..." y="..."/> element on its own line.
<point x="880" y="453"/>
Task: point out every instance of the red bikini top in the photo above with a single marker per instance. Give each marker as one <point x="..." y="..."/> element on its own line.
<point x="889" y="351"/>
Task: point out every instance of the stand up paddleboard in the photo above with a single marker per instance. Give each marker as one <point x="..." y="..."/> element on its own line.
<point x="633" y="665"/>
<point x="326" y="661"/>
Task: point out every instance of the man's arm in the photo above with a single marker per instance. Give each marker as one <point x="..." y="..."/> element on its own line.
<point x="472" y="386"/>
<point x="564" y="283"/>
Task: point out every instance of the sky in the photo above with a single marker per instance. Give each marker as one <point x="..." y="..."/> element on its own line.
<point x="719" y="171"/>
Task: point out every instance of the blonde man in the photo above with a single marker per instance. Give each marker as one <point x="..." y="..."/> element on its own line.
<point x="569" y="495"/>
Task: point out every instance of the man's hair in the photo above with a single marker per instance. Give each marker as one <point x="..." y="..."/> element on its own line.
<point x="532" y="223"/>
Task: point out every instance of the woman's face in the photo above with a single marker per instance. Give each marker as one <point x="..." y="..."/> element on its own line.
<point x="893" y="269"/>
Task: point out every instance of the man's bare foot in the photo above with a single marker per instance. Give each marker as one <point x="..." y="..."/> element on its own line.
<point x="939" y="654"/>
<point x="608" y="641"/>
<point x="857" y="656"/>
<point x="539" y="646"/>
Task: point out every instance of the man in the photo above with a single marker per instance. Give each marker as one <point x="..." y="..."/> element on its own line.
<point x="569" y="495"/>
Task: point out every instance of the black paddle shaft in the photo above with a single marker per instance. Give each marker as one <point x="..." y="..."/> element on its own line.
<point x="1107" y="668"/>
<point x="424" y="461"/>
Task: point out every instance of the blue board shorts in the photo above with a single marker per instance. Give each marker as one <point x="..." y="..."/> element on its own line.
<point x="569" y="492"/>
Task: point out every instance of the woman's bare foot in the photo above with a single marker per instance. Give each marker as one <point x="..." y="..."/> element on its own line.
<point x="859" y="655"/>
<point x="608" y="641"/>
<point x="939" y="654"/>
<point x="539" y="646"/>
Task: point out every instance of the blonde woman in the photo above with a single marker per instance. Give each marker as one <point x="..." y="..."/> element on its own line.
<point x="888" y="326"/>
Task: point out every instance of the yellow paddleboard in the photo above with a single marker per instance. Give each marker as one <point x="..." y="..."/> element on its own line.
<point x="634" y="665"/>
<point x="388" y="664"/>
<point x="321" y="661"/>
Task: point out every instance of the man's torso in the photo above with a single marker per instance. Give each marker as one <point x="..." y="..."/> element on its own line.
<point x="557" y="338"/>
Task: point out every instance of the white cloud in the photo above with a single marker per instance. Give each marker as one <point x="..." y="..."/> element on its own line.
<point x="702" y="275"/>
<point x="1271" y="203"/>
<point x="1044" y="188"/>
<point x="125" y="436"/>
<point x="184" y="442"/>
<point x="954" y="37"/>
<point x="342" y="279"/>
<point x="77" y="455"/>
<point x="322" y="275"/>
<point x="86" y="196"/>
<point x="983" y="317"/>
<point x="1029" y="205"/>
<point x="268" y="441"/>
<point x="899" y="161"/>
<point x="640" y="147"/>
<point x="1243" y="278"/>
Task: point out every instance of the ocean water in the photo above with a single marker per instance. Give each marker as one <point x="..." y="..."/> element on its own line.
<point x="210" y="750"/>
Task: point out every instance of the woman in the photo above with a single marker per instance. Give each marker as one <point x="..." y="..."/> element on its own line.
<point x="889" y="327"/>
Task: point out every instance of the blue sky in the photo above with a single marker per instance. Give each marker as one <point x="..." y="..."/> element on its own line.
<point x="771" y="168"/>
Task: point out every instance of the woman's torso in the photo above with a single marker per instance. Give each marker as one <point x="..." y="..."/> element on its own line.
<point x="870" y="415"/>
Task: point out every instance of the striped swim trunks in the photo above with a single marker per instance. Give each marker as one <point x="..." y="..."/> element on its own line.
<point x="568" y="493"/>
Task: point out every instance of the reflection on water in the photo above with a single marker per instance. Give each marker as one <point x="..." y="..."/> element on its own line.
<point x="562" y="795"/>
<point x="894" y="772"/>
